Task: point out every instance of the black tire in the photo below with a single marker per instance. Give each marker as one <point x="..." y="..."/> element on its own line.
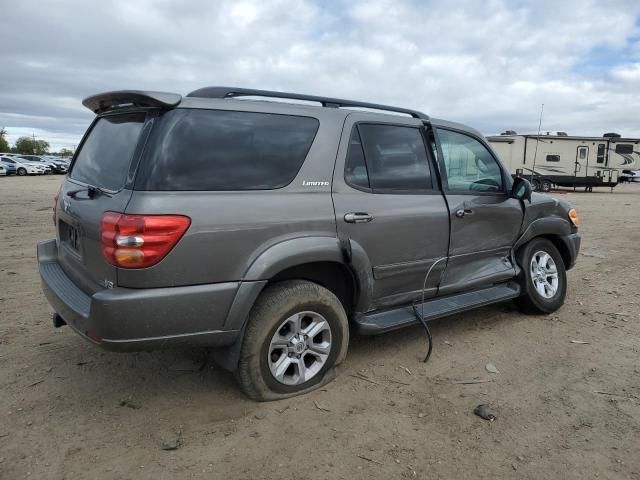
<point x="535" y="185"/>
<point x="22" y="171"/>
<point x="531" y="300"/>
<point x="275" y="305"/>
<point x="545" y="185"/>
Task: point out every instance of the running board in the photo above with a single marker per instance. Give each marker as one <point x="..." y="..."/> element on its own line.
<point x="387" y="320"/>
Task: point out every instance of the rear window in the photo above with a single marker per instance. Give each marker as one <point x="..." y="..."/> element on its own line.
<point x="104" y="158"/>
<point x="624" y="148"/>
<point x="225" y="150"/>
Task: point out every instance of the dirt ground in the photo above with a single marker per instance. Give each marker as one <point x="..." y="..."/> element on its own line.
<point x="565" y="409"/>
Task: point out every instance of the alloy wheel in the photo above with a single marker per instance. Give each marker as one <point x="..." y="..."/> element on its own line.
<point x="544" y="274"/>
<point x="299" y="348"/>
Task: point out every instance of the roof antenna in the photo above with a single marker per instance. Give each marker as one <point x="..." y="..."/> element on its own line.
<point x="535" y="154"/>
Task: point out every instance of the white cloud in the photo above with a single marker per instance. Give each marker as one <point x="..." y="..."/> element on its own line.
<point x="490" y="64"/>
<point x="628" y="73"/>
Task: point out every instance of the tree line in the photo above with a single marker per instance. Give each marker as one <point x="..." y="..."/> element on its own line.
<point x="28" y="145"/>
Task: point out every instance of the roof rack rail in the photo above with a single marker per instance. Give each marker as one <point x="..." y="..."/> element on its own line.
<point x="230" y="92"/>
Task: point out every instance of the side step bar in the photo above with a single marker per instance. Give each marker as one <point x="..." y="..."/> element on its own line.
<point x="387" y="320"/>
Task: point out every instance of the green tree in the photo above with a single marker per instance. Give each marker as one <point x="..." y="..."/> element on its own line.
<point x="28" y="145"/>
<point x="4" y="145"/>
<point x="65" y="152"/>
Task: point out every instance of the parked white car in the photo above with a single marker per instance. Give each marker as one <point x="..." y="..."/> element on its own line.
<point x="3" y="171"/>
<point x="53" y="164"/>
<point x="23" y="168"/>
<point x="40" y="165"/>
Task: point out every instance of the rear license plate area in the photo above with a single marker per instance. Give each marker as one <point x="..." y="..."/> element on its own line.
<point x="70" y="236"/>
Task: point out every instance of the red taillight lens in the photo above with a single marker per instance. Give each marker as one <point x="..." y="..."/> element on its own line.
<point x="138" y="241"/>
<point x="54" y="215"/>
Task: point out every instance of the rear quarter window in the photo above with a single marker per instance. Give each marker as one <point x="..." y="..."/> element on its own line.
<point x="225" y="150"/>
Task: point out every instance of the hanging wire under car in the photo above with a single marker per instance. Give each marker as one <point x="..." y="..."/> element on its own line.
<point x="420" y="315"/>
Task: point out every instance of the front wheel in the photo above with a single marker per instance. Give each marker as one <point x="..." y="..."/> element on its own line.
<point x="22" y="171"/>
<point x="545" y="186"/>
<point x="544" y="278"/>
<point x="296" y="334"/>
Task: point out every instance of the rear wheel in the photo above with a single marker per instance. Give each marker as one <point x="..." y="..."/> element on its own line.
<point x="296" y="334"/>
<point x="545" y="185"/>
<point x="544" y="279"/>
<point x="22" y="171"/>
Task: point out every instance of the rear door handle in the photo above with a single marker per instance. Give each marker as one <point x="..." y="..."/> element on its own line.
<point x="357" y="217"/>
<point x="462" y="212"/>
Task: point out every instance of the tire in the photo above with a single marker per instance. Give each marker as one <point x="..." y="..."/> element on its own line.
<point x="535" y="185"/>
<point x="22" y="172"/>
<point x="532" y="299"/>
<point x="545" y="186"/>
<point x="273" y="319"/>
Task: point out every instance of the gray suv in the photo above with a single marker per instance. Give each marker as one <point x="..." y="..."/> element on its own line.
<point x="270" y="230"/>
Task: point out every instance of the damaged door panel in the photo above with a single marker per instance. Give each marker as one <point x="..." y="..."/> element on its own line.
<point x="485" y="220"/>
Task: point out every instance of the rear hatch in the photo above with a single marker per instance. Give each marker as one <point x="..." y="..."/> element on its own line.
<point x="98" y="181"/>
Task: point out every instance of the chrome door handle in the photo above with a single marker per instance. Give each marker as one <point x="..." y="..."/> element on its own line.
<point x="357" y="217"/>
<point x="462" y="212"/>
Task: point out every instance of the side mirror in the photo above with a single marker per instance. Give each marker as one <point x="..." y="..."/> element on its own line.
<point x="521" y="189"/>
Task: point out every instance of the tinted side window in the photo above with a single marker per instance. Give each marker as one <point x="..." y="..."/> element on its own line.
<point x="104" y="157"/>
<point x="355" y="169"/>
<point x="556" y="158"/>
<point x="468" y="164"/>
<point x="600" y="157"/>
<point x="396" y="158"/>
<point x="624" y="148"/>
<point x="225" y="150"/>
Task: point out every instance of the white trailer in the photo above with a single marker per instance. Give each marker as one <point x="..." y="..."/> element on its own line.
<point x="567" y="161"/>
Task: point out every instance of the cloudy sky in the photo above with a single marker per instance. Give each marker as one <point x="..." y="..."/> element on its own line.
<point x="489" y="64"/>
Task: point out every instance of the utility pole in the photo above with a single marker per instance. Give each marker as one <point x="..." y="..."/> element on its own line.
<point x="535" y="153"/>
<point x="33" y="135"/>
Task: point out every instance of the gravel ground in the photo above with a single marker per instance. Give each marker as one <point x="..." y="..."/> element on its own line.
<point x="564" y="409"/>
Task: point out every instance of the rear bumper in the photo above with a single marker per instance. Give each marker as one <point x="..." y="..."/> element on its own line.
<point x="139" y="319"/>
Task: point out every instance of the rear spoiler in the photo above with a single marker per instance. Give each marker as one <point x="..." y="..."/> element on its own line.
<point x="135" y="98"/>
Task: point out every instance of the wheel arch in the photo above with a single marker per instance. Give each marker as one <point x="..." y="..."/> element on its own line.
<point x="562" y="247"/>
<point x="341" y="266"/>
<point x="554" y="229"/>
<point x="317" y="258"/>
<point x="334" y="276"/>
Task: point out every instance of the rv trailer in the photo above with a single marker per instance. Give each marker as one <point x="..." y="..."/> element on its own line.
<point x="567" y="161"/>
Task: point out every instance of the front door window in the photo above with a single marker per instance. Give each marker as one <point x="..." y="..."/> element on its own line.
<point x="469" y="166"/>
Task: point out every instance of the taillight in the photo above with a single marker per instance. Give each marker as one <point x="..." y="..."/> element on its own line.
<point x="55" y="208"/>
<point x="138" y="241"/>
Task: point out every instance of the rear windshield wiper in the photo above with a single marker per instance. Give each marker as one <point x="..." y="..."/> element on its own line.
<point x="91" y="191"/>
